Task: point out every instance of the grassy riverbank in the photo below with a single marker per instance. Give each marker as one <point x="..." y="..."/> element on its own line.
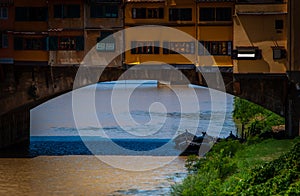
<point x="267" y="167"/>
<point x="261" y="165"/>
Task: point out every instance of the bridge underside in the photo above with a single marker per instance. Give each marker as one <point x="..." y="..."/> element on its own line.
<point x="25" y="87"/>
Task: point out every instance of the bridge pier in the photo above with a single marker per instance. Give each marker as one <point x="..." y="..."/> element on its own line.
<point x="292" y="120"/>
<point x="15" y="128"/>
<point x="292" y="113"/>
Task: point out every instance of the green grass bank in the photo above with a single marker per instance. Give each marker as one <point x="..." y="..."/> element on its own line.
<point x="263" y="164"/>
<point x="268" y="167"/>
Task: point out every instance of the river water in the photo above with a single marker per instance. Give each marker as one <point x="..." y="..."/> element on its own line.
<point x="127" y="150"/>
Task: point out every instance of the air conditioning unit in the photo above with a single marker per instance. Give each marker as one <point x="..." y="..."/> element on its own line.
<point x="279" y="52"/>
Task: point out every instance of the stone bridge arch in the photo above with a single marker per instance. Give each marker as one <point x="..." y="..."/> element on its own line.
<point x="27" y="87"/>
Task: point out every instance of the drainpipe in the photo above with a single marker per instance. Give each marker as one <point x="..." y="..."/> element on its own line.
<point x="289" y="100"/>
<point x="290" y="24"/>
<point x="200" y="77"/>
<point x="197" y="44"/>
<point x="123" y="35"/>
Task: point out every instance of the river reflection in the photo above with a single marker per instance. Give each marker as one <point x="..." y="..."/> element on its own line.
<point x="85" y="175"/>
<point x="61" y="161"/>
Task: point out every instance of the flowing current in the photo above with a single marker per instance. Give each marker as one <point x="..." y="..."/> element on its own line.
<point x="127" y="152"/>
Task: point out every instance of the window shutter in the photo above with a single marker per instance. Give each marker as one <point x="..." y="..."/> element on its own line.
<point x="93" y="11"/>
<point x="18" y="43"/>
<point x="156" y="47"/>
<point x="166" y="48"/>
<point x="45" y="43"/>
<point x="133" y="47"/>
<point x="58" y="11"/>
<point x="53" y="43"/>
<point x="79" y="43"/>
<point x="1" y="38"/>
<point x="114" y="11"/>
<point x="161" y="12"/>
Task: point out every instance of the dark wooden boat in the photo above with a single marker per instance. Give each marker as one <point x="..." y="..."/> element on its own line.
<point x="186" y="142"/>
<point x="190" y="144"/>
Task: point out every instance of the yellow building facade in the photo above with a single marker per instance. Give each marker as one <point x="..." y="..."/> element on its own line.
<point x="210" y="23"/>
<point x="246" y="36"/>
<point x="260" y="37"/>
<point x="148" y="44"/>
<point x="215" y="31"/>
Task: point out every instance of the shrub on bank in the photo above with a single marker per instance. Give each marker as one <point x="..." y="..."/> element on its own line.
<point x="254" y="119"/>
<point x="219" y="174"/>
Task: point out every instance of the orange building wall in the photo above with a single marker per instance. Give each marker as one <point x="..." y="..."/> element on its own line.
<point x="31" y="55"/>
<point x="260" y="31"/>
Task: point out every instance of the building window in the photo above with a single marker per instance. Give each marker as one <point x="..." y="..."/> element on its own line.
<point x="31" y="13"/>
<point x="144" y="13"/>
<point x="106" y="42"/>
<point x="30" y="43"/>
<point x="3" y="40"/>
<point x="179" y="48"/>
<point x="104" y="11"/>
<point x="145" y="47"/>
<point x="3" y="12"/>
<point x="155" y="12"/>
<point x="182" y="14"/>
<point x="66" y="43"/>
<point x="207" y="14"/>
<point x="67" y="11"/>
<point x="221" y="48"/>
<point x="224" y="14"/>
<point x="278" y="24"/>
<point x="216" y="14"/>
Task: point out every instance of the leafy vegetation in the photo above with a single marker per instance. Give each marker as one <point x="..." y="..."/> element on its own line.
<point x="269" y="167"/>
<point x="257" y="166"/>
<point x="254" y="119"/>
